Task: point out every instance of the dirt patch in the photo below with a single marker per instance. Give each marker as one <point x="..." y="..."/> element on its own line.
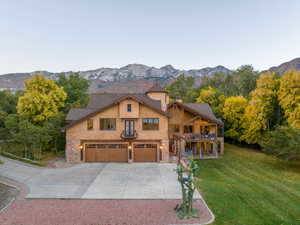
<point x="58" y="163"/>
<point x="92" y="212"/>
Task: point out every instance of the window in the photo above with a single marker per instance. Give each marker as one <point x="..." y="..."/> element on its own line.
<point x="128" y="107"/>
<point x="150" y="124"/>
<point x="107" y="124"/>
<point x="188" y="129"/>
<point x="174" y="128"/>
<point x="90" y="124"/>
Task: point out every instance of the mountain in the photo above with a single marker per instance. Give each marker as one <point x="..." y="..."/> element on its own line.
<point x="282" y="68"/>
<point x="105" y="79"/>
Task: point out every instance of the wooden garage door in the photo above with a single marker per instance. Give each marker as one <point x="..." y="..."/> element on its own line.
<point x="106" y="153"/>
<point x="145" y="152"/>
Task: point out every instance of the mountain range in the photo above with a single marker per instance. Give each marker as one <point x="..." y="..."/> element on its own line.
<point x="137" y="77"/>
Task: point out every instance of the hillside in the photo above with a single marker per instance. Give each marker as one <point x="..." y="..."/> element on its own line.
<point x="105" y="79"/>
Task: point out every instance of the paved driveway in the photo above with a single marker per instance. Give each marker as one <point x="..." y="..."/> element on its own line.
<point x="97" y="180"/>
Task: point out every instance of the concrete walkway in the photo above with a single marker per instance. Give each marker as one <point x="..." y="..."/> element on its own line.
<point x="97" y="180"/>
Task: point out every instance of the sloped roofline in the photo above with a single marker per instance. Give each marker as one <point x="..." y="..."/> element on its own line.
<point x="117" y="101"/>
<point x="189" y="109"/>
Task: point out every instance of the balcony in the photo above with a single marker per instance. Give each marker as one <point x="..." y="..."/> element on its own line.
<point x="129" y="135"/>
<point x="199" y="137"/>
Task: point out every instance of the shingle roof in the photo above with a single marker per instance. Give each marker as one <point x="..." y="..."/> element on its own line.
<point x="77" y="113"/>
<point x="203" y="109"/>
<point x="156" y="88"/>
<point x="99" y="102"/>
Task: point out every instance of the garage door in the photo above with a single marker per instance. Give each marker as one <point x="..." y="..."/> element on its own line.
<point x="106" y="153"/>
<point x="145" y="152"/>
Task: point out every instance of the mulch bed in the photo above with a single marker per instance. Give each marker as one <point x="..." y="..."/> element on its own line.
<point x="97" y="212"/>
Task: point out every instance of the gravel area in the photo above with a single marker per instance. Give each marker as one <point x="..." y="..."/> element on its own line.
<point x="97" y="212"/>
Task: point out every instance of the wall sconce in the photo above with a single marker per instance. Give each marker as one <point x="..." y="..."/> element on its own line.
<point x="129" y="147"/>
<point x="80" y="147"/>
<point x="161" y="147"/>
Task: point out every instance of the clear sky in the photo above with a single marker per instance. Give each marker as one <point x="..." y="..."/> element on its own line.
<point x="62" y="35"/>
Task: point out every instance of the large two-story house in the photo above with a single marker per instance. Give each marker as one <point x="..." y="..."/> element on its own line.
<point x="140" y="128"/>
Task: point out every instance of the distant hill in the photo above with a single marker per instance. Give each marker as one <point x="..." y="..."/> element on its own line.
<point x="133" y="77"/>
<point x="106" y="79"/>
<point x="282" y="68"/>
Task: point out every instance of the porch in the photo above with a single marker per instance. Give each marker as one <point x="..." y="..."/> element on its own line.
<point x="198" y="146"/>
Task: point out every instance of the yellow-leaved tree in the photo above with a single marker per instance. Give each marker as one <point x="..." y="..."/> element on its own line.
<point x="213" y="98"/>
<point x="289" y="97"/>
<point x="233" y="113"/>
<point x="260" y="109"/>
<point x="42" y="99"/>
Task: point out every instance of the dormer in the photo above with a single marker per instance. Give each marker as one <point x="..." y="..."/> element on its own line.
<point x="156" y="92"/>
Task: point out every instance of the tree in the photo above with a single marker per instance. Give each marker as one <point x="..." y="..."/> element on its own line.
<point x="8" y="101"/>
<point x="289" y="97"/>
<point x="233" y="113"/>
<point x="43" y="99"/>
<point x="182" y="88"/>
<point x="76" y="88"/>
<point x="245" y="79"/>
<point x="261" y="109"/>
<point x="284" y="142"/>
<point x="239" y="82"/>
<point x="31" y="136"/>
<point x="214" y="98"/>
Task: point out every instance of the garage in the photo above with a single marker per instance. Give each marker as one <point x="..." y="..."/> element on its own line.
<point x="145" y="152"/>
<point x="106" y="153"/>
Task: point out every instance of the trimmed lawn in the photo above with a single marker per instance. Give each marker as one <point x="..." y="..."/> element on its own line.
<point x="249" y="188"/>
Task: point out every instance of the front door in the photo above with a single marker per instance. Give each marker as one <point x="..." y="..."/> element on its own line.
<point x="129" y="127"/>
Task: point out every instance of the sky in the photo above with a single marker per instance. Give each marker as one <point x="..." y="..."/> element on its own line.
<point x="77" y="35"/>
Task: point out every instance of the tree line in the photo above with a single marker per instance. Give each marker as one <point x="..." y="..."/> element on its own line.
<point x="34" y="119"/>
<point x="259" y="109"/>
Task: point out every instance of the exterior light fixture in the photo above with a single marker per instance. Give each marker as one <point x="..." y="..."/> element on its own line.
<point x="129" y="147"/>
<point x="80" y="147"/>
<point x="161" y="147"/>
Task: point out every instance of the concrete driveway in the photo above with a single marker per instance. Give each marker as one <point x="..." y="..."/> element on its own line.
<point x="97" y="180"/>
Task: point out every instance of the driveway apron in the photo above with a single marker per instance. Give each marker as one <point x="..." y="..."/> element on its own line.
<point x="97" y="180"/>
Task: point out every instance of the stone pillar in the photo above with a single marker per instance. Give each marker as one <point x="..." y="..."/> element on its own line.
<point x="221" y="139"/>
<point x="165" y="151"/>
<point x="72" y="151"/>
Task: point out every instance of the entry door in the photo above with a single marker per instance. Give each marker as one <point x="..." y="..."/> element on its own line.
<point x="129" y="127"/>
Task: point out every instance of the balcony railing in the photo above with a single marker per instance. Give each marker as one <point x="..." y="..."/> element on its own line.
<point x="195" y="137"/>
<point x="126" y="135"/>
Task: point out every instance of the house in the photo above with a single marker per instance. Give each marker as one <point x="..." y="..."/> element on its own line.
<point x="140" y="128"/>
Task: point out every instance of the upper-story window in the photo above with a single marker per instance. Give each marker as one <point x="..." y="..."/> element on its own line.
<point x="150" y="124"/>
<point x="128" y="107"/>
<point x="188" y="129"/>
<point x="174" y="128"/>
<point x="107" y="123"/>
<point x="90" y="124"/>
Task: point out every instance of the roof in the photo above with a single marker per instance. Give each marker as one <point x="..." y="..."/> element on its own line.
<point x="202" y="109"/>
<point x="100" y="102"/>
<point x="156" y="88"/>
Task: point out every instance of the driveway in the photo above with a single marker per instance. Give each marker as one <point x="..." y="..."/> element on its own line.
<point x="97" y="180"/>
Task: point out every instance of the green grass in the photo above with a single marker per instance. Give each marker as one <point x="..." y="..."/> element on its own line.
<point x="11" y="156"/>
<point x="249" y="188"/>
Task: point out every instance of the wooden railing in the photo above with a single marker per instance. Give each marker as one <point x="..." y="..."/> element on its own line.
<point x="196" y="137"/>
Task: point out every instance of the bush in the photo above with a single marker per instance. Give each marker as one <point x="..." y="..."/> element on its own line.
<point x="284" y="142"/>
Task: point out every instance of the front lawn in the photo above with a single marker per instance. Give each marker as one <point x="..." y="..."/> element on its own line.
<point x="250" y="188"/>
